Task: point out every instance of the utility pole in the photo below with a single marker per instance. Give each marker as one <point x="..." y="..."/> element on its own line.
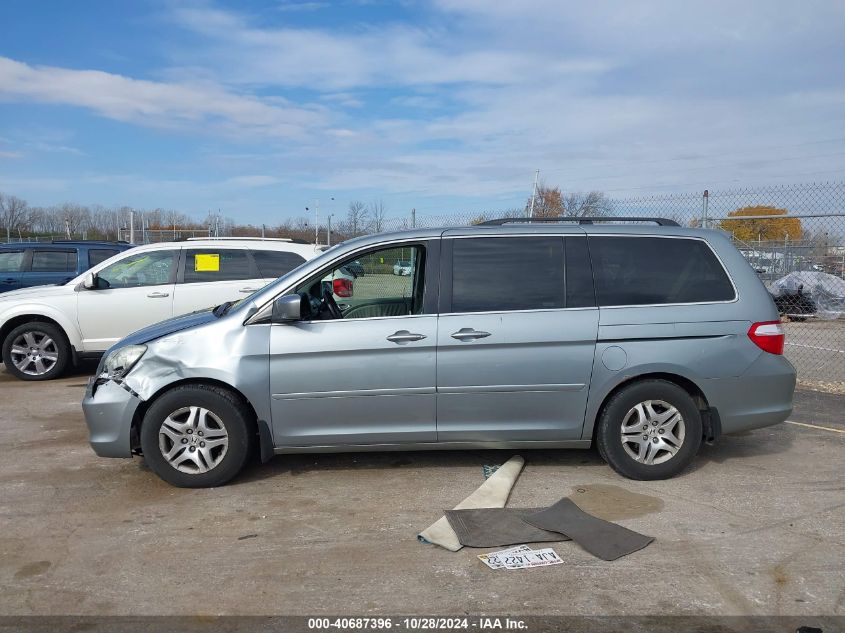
<point x="263" y="228"/>
<point x="317" y="222"/>
<point x="413" y="218"/>
<point x="131" y="227"/>
<point x="534" y="193"/>
<point x="329" y="230"/>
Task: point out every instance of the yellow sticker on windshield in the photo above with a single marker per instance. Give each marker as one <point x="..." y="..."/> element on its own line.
<point x="207" y="262"/>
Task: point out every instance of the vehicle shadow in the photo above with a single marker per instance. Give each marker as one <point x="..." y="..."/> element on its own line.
<point x="298" y="464"/>
<point x="737" y="446"/>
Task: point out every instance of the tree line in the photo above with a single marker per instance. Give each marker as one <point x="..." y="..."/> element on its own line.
<point x="21" y="221"/>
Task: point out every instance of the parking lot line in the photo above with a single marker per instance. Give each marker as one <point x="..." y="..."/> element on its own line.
<point x="816" y="426"/>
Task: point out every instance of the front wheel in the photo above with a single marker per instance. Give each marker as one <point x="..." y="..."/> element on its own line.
<point x="649" y="430"/>
<point x="197" y="436"/>
<point x="36" y="351"/>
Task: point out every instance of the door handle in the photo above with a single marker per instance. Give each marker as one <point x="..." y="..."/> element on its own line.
<point x="468" y="334"/>
<point x="158" y="295"/>
<point x="249" y="290"/>
<point x="404" y="336"/>
<point x="10" y="280"/>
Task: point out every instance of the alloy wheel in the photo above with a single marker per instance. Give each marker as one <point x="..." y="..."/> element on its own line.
<point x="34" y="353"/>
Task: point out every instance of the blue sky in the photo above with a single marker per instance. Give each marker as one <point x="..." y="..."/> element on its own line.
<point x="259" y="107"/>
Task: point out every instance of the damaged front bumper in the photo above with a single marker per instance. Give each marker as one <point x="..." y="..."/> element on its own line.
<point x="109" y="409"/>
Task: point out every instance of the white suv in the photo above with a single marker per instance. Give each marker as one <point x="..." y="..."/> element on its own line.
<point x="44" y="328"/>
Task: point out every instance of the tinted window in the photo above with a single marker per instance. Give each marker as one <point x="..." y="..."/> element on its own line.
<point x="152" y="268"/>
<point x="211" y="264"/>
<point x="99" y="255"/>
<point x="579" y="276"/>
<point x="276" y="263"/>
<point x="491" y="274"/>
<point x="53" y="261"/>
<point x="654" y="270"/>
<point x="10" y="261"/>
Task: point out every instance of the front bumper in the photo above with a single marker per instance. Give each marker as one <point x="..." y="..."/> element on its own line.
<point x="109" y="410"/>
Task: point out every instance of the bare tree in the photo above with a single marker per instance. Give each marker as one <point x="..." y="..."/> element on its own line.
<point x="579" y="204"/>
<point x="378" y="215"/>
<point x="13" y="214"/>
<point x="357" y="219"/>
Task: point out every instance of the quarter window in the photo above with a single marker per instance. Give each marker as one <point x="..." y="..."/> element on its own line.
<point x="507" y="273"/>
<point x="204" y="265"/>
<point x="657" y="270"/>
<point x="273" y="264"/>
<point x="54" y="261"/>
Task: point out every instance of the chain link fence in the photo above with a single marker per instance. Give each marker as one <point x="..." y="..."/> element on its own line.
<point x="793" y="236"/>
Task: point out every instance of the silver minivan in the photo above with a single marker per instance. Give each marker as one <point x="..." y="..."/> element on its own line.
<point x="645" y="340"/>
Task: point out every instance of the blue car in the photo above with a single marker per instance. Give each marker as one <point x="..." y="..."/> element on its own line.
<point x="28" y="264"/>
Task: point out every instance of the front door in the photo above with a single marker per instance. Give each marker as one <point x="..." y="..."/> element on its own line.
<point x="135" y="291"/>
<point x="364" y="373"/>
<point x="516" y="339"/>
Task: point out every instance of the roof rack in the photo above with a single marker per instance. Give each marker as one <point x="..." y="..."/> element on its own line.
<point x="86" y="242"/>
<point x="256" y="239"/>
<point x="582" y="220"/>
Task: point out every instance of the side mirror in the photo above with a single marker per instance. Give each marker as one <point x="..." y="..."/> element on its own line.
<point x="90" y="282"/>
<point x="288" y="308"/>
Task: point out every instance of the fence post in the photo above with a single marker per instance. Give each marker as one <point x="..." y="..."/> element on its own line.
<point x="704" y="204"/>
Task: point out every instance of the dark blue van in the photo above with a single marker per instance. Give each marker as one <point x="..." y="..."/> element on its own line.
<point x="26" y="264"/>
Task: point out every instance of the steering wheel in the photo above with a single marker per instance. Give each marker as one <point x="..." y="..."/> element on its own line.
<point x="331" y="304"/>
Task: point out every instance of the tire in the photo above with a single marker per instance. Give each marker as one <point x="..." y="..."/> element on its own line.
<point x="633" y="455"/>
<point x="194" y="412"/>
<point x="36" y="351"/>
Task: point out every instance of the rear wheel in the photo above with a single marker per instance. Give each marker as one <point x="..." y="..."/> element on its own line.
<point x="197" y="436"/>
<point x="649" y="430"/>
<point x="36" y="351"/>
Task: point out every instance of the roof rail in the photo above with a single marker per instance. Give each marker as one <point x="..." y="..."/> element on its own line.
<point x="579" y="220"/>
<point x="85" y="242"/>
<point x="257" y="239"/>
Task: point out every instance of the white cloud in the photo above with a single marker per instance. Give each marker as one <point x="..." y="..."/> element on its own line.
<point x="154" y="103"/>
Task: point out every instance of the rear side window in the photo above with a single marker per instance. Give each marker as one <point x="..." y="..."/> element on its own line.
<point x="519" y="273"/>
<point x="11" y="261"/>
<point x="99" y="255"/>
<point x="54" y="261"/>
<point x="657" y="270"/>
<point x="212" y="264"/>
<point x="273" y="264"/>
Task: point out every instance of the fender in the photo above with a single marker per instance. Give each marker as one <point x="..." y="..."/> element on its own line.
<point x="36" y="309"/>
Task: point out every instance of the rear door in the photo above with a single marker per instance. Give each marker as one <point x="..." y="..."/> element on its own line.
<point x="11" y="265"/>
<point x="211" y="276"/>
<point x="50" y="266"/>
<point x="516" y="338"/>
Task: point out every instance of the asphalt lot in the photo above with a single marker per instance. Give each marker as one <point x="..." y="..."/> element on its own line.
<point x="817" y="349"/>
<point x="755" y="527"/>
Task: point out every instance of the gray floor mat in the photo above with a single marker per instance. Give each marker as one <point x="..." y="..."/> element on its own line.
<point x="492" y="527"/>
<point x="601" y="538"/>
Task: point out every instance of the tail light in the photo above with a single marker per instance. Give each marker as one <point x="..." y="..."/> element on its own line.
<point x="342" y="287"/>
<point x="769" y="336"/>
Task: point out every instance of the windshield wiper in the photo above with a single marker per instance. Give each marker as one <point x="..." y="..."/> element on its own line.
<point x="222" y="309"/>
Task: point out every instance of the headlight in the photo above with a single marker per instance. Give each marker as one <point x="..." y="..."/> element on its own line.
<point x="120" y="361"/>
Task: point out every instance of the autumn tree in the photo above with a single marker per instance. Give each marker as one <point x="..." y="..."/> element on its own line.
<point x="549" y="202"/>
<point x="750" y="230"/>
